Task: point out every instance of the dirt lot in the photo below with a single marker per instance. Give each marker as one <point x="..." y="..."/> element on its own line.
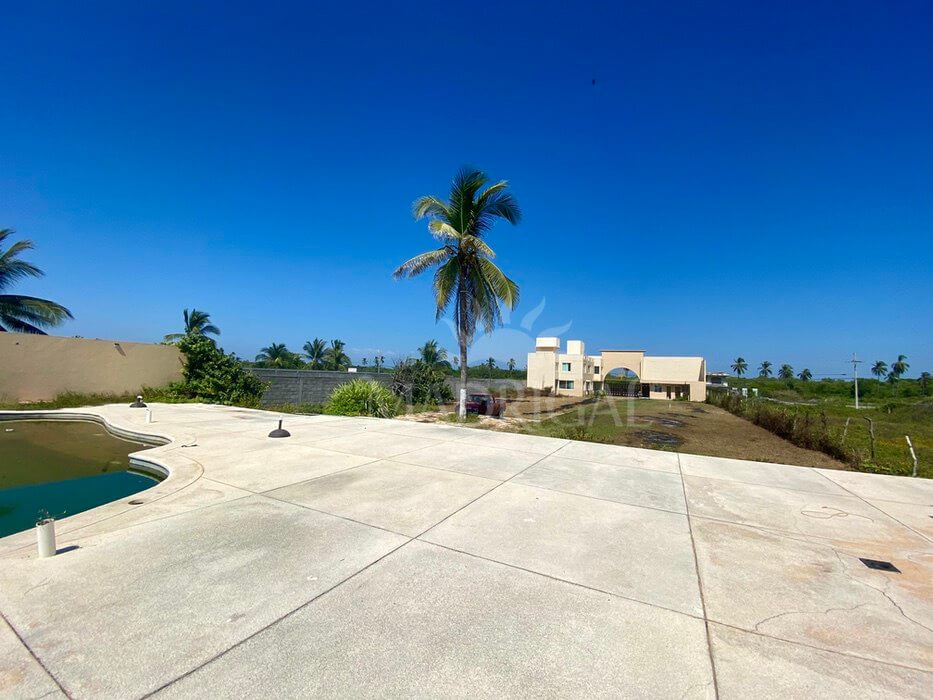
<point x="676" y="425"/>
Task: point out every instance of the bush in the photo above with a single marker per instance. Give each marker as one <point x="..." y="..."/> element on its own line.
<point x="362" y="397"/>
<point x="417" y="382"/>
<point x="213" y="376"/>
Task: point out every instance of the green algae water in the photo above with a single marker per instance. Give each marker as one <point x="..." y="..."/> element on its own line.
<point x="61" y="468"/>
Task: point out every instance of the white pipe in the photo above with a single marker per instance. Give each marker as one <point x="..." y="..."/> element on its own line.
<point x="45" y="534"/>
<point x="148" y="415"/>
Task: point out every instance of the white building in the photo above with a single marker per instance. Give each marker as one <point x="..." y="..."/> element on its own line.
<point x="574" y="373"/>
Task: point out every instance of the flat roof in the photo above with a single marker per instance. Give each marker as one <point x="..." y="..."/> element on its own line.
<point x="616" y="350"/>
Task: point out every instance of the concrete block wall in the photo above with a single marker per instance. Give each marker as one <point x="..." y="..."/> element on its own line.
<point x="298" y="386"/>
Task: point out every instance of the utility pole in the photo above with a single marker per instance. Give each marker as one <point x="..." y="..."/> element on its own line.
<point x="855" y="363"/>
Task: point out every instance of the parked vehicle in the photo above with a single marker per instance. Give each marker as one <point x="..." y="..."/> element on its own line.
<point x="485" y="405"/>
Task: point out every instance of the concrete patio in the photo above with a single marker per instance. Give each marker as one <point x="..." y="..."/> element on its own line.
<point x="366" y="557"/>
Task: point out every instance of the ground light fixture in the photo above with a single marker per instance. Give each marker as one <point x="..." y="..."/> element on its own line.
<point x="138" y="403"/>
<point x="280" y="432"/>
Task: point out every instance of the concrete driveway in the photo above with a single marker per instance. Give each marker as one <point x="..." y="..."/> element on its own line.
<point x="365" y="557"/>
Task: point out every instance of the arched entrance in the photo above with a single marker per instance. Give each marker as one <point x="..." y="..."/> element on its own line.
<point x="622" y="381"/>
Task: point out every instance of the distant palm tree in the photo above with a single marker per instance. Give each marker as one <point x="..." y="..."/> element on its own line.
<point x="739" y="366"/>
<point x="879" y="369"/>
<point x="805" y="376"/>
<point x="466" y="276"/>
<point x="511" y="365"/>
<point x="20" y="313"/>
<point x="196" y="323"/>
<point x="276" y="355"/>
<point x="926" y="381"/>
<point x="786" y="372"/>
<point x="335" y="357"/>
<point x="899" y="368"/>
<point x="764" y="369"/>
<point x="490" y="366"/>
<point x="365" y="361"/>
<point x="314" y="351"/>
<point x="433" y="356"/>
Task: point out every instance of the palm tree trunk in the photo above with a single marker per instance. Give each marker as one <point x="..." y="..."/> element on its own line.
<point x="461" y="337"/>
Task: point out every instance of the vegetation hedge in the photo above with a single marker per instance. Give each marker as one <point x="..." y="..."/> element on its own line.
<point x="362" y="397"/>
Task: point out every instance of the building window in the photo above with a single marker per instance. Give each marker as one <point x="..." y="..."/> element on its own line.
<point x="564" y="366"/>
<point x="565" y="384"/>
<point x="656" y="387"/>
<point x="596" y="369"/>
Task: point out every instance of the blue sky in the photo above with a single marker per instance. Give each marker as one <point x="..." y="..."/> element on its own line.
<point x="739" y="180"/>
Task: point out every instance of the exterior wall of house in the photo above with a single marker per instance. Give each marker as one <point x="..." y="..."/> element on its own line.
<point x="664" y="377"/>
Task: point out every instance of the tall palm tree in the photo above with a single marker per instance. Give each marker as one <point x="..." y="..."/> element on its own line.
<point x="196" y="323"/>
<point x="764" y="369"/>
<point x="805" y="376"/>
<point x="511" y="365"/>
<point x="433" y="356"/>
<point x="466" y="277"/>
<point x="880" y="369"/>
<point x="490" y="366"/>
<point x="334" y="357"/>
<point x="900" y="367"/>
<point x="314" y="350"/>
<point x="276" y="355"/>
<point x="17" y="312"/>
<point x="786" y="372"/>
<point x="739" y="366"/>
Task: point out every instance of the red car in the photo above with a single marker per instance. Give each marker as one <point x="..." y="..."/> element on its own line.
<point x="485" y="405"/>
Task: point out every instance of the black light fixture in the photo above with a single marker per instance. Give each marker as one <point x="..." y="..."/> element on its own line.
<point x="279" y="432"/>
<point x="138" y="403"/>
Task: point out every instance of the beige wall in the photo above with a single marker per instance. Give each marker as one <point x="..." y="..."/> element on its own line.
<point x="39" y="367"/>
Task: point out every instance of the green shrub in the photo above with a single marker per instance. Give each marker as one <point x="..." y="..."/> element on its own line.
<point x="362" y="397"/>
<point x="213" y="376"/>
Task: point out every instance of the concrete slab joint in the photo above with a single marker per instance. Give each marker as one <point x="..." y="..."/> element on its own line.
<point x="375" y="557"/>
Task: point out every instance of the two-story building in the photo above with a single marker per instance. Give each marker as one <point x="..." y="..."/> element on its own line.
<point x="574" y="373"/>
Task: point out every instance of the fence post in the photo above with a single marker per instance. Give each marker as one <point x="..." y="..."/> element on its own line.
<point x="845" y="430"/>
<point x="913" y="454"/>
<point x="871" y="433"/>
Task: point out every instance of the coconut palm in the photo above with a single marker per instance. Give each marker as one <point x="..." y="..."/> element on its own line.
<point x="739" y="366"/>
<point x="805" y="376"/>
<point x="276" y="355"/>
<point x="926" y="380"/>
<point x="314" y="350"/>
<point x="466" y="278"/>
<point x="511" y="365"/>
<point x="196" y="323"/>
<point x="20" y="313"/>
<point x="334" y="357"/>
<point x="900" y="367"/>
<point x="879" y="369"/>
<point x="433" y="356"/>
<point x="786" y="372"/>
<point x="764" y="369"/>
<point x="490" y="366"/>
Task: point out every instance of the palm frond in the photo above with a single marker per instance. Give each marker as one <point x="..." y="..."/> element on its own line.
<point x="504" y="289"/>
<point x="418" y="264"/>
<point x="445" y="284"/>
<point x="431" y="207"/>
<point x="443" y="231"/>
<point x="32" y="311"/>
